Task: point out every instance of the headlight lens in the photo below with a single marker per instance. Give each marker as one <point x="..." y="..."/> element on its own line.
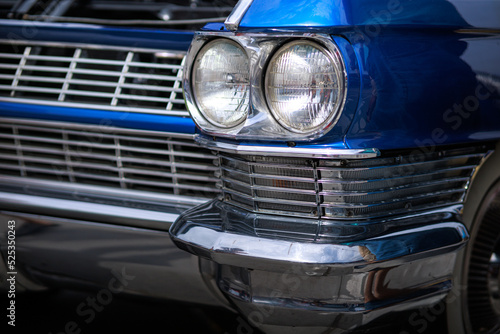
<point x="221" y="84"/>
<point x="305" y="86"/>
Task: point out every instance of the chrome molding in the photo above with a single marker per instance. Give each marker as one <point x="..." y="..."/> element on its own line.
<point x="80" y="209"/>
<point x="233" y="20"/>
<point x="285" y="151"/>
<point x="71" y="190"/>
<point x="76" y="75"/>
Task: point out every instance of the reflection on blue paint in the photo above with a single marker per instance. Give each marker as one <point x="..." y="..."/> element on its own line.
<point x="99" y="117"/>
<point x="337" y="13"/>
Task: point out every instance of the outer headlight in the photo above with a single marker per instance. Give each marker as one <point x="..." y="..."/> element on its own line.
<point x="221" y="85"/>
<point x="305" y="86"/>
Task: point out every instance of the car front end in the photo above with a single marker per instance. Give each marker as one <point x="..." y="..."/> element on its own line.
<point x="316" y="167"/>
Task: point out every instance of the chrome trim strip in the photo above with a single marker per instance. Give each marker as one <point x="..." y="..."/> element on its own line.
<point x="233" y="20"/>
<point x="275" y="189"/>
<point x="91" y="61"/>
<point x="302" y="152"/>
<point x="77" y="209"/>
<point x="106" y="22"/>
<point x="74" y="188"/>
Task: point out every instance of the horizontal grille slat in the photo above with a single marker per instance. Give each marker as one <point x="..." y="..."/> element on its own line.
<point x="113" y="157"/>
<point x="331" y="189"/>
<point x="179" y="139"/>
<point x="99" y="77"/>
<point x="90" y="61"/>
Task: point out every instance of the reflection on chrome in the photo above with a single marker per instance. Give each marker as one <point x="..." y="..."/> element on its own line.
<point x="363" y="274"/>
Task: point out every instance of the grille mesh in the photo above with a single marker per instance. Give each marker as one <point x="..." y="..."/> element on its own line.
<point x="97" y="77"/>
<point x="120" y="158"/>
<point x="347" y="189"/>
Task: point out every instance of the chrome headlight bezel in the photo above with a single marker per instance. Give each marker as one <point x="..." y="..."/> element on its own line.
<point x="260" y="123"/>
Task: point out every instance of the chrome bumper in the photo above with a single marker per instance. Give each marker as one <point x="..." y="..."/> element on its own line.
<point x="398" y="264"/>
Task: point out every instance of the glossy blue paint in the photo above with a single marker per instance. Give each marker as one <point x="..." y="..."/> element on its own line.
<point x="98" y="117"/>
<point x="353" y="94"/>
<point x="422" y="89"/>
<point x="279" y="14"/>
<point x="215" y="27"/>
<point x="93" y="34"/>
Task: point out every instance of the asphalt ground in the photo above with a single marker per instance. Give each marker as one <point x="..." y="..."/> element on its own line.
<point x="58" y="312"/>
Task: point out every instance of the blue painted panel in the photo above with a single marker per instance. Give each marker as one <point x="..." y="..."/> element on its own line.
<point x="341" y="13"/>
<point x="99" y="117"/>
<point x="92" y="34"/>
<point x="423" y="89"/>
<point x="294" y="13"/>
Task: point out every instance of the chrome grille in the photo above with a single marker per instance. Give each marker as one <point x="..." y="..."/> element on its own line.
<point x="346" y="189"/>
<point x="100" y="77"/>
<point x="105" y="156"/>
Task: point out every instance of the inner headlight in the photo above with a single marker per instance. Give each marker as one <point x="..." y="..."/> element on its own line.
<point x="221" y="85"/>
<point x="305" y="86"/>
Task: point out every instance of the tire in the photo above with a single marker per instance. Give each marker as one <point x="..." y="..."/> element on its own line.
<point x="473" y="306"/>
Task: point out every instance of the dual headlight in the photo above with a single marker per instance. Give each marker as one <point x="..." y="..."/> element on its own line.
<point x="302" y="85"/>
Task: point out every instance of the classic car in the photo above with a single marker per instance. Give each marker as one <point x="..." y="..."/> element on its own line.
<point x="315" y="166"/>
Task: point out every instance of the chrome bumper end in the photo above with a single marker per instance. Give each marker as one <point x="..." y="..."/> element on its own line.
<point x="399" y="264"/>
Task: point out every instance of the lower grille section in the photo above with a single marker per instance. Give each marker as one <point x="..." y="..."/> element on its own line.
<point x="97" y="155"/>
<point x="347" y="189"/>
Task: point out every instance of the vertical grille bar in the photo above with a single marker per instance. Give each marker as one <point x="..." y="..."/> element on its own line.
<point x="19" y="150"/>
<point x="67" y="157"/>
<point x="121" y="80"/>
<point x="173" y="168"/>
<point x="177" y="85"/>
<point x="119" y="164"/>
<point x="19" y="70"/>
<point x="69" y="75"/>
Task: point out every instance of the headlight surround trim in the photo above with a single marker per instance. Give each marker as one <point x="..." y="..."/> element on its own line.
<point x="260" y="124"/>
